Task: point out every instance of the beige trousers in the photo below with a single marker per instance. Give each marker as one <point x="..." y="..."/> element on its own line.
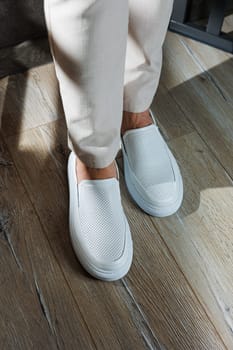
<point x="107" y="56"/>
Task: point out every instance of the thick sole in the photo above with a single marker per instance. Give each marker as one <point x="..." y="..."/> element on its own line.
<point x="158" y="211"/>
<point x="109" y="273"/>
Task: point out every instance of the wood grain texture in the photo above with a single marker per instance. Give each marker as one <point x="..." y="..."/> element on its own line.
<point x="30" y="99"/>
<point x="40" y="155"/>
<point x="178" y="293"/>
<point x="200" y="99"/>
<point x="199" y="235"/>
<point x="168" y="307"/>
<point x="37" y="306"/>
<point x="217" y="67"/>
<point x="171" y="119"/>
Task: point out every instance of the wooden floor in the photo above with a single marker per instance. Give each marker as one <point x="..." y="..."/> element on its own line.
<point x="179" y="291"/>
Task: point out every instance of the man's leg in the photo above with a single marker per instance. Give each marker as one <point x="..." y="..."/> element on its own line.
<point x="151" y="172"/>
<point x="148" y="23"/>
<point x="88" y="40"/>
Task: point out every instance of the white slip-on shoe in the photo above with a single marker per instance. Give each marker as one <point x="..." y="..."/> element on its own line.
<point x="151" y="172"/>
<point x="99" y="230"/>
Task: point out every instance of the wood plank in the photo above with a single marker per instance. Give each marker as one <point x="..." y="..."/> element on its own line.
<point x="3" y="86"/>
<point x="173" y="315"/>
<point x="162" y="291"/>
<point x="111" y="315"/>
<point x="169" y="116"/>
<point x="37" y="307"/>
<point x="157" y="305"/>
<point x="200" y="100"/>
<point x="30" y="99"/>
<point x="199" y="235"/>
<point x="21" y="318"/>
<point x="217" y="65"/>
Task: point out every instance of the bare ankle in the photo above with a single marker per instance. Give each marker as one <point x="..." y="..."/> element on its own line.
<point x="83" y="172"/>
<point x="131" y="120"/>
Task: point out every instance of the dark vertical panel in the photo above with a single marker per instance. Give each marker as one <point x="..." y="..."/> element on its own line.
<point x="20" y="21"/>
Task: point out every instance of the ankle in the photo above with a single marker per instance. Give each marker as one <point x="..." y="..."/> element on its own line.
<point x="83" y="172"/>
<point x="131" y="120"/>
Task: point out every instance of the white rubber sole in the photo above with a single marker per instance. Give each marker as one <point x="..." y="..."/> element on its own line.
<point x="158" y="211"/>
<point x="111" y="272"/>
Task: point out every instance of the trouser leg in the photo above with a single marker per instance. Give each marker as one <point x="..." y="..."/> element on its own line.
<point x="88" y="42"/>
<point x="148" y="22"/>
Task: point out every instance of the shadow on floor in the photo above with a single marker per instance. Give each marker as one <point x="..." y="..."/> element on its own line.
<point x="43" y="184"/>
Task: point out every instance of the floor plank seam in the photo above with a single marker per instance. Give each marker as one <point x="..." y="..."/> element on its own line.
<point x="41" y="93"/>
<point x="184" y="115"/>
<point x="29" y="198"/>
<point x="51" y="249"/>
<point x="188" y="283"/>
<point x="140" y="320"/>
<point x="204" y="71"/>
<point x="224" y="308"/>
<point x="49" y="244"/>
<point x="31" y="129"/>
<point x="45" y="312"/>
<point x="4" y="232"/>
<point x="203" y="140"/>
<point x="43" y="306"/>
<point x="179" y="268"/>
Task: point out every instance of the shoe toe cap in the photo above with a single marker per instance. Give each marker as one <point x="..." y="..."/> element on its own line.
<point x="163" y="193"/>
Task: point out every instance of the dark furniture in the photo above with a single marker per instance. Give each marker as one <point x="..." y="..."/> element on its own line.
<point x="185" y="21"/>
<point x="21" y="20"/>
<point x="23" y="35"/>
<point x="24" y="20"/>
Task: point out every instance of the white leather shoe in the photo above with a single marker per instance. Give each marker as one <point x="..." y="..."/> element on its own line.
<point x="151" y="172"/>
<point x="99" y="230"/>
